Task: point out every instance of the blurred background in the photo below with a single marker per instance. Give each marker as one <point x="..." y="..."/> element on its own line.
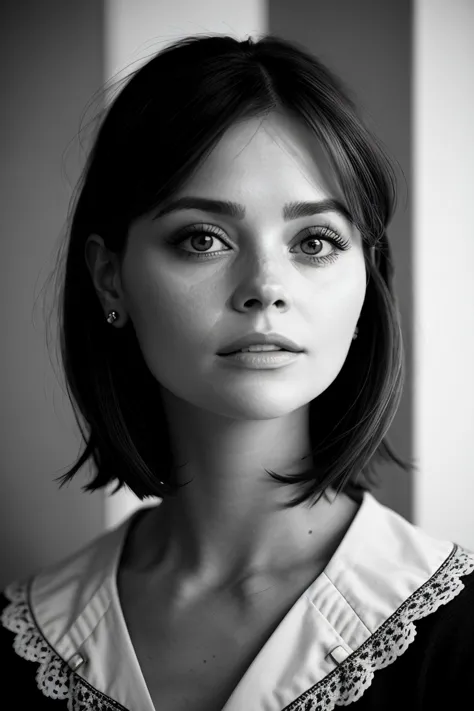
<point x="410" y="66"/>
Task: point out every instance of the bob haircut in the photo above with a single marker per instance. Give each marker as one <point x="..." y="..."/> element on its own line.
<point x="155" y="134"/>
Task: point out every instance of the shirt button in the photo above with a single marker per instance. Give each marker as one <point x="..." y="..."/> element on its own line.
<point x="338" y="654"/>
<point x="76" y="661"/>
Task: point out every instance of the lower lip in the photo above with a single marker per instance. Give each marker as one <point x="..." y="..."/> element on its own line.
<point x="264" y="359"/>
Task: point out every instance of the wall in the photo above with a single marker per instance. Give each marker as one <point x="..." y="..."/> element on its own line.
<point x="51" y="60"/>
<point x="443" y="120"/>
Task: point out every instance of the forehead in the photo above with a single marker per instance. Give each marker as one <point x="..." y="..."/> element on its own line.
<point x="276" y="155"/>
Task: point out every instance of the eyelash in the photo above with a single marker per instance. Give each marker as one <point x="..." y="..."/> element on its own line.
<point x="317" y="232"/>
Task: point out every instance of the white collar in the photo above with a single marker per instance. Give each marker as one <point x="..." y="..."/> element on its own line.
<point x="380" y="570"/>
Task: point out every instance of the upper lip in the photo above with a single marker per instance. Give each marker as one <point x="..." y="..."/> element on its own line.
<point x="256" y="339"/>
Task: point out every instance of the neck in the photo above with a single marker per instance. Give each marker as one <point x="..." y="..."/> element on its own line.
<point x="228" y="522"/>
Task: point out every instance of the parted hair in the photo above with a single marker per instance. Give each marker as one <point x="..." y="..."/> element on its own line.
<point x="151" y="138"/>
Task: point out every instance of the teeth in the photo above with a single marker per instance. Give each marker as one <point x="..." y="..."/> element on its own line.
<point x="266" y="347"/>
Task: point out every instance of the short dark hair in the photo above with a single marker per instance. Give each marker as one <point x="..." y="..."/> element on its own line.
<point x="155" y="134"/>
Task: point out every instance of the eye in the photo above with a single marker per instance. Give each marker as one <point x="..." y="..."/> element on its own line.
<point x="315" y="235"/>
<point x="202" y="237"/>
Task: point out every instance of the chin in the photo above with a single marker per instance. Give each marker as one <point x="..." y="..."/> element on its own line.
<point x="265" y="402"/>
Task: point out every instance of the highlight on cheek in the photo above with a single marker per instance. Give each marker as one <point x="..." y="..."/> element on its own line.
<point x="203" y="235"/>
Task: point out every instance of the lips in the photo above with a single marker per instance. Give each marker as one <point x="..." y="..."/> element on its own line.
<point x="262" y="350"/>
<point x="261" y="339"/>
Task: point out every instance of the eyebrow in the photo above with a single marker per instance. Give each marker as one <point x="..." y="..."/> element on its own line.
<point x="291" y="210"/>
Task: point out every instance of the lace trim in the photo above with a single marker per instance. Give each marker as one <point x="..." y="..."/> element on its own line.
<point x="54" y="678"/>
<point x="354" y="675"/>
<point x="343" y="686"/>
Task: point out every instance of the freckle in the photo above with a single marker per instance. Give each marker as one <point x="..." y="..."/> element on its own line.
<point x="310" y="531"/>
<point x="205" y="661"/>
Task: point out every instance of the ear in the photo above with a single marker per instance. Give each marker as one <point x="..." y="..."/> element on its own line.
<point x="104" y="269"/>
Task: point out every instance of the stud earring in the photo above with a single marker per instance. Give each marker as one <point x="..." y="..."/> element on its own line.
<point x="112" y="316"/>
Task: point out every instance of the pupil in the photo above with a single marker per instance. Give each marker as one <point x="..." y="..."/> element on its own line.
<point x="202" y="240"/>
<point x="312" y="241"/>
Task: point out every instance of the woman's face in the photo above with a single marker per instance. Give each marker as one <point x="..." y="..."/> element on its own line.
<point x="189" y="300"/>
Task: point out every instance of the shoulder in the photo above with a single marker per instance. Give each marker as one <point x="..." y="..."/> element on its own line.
<point x="448" y="632"/>
<point x="37" y="613"/>
<point x="19" y="647"/>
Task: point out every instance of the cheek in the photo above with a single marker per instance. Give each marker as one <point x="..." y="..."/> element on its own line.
<point x="336" y="310"/>
<point x="338" y="301"/>
<point x="170" y="316"/>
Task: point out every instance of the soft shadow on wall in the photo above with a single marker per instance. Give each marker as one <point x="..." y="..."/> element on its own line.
<point x="52" y="65"/>
<point x="368" y="44"/>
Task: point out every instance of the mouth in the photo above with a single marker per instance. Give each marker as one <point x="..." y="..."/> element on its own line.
<point x="258" y="360"/>
<point x="258" y="342"/>
<point x="266" y="351"/>
<point x="274" y="351"/>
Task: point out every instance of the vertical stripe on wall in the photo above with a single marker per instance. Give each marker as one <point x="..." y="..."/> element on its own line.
<point x="444" y="267"/>
<point x="368" y="45"/>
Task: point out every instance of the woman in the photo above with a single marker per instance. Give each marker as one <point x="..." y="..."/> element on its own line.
<point x="230" y="334"/>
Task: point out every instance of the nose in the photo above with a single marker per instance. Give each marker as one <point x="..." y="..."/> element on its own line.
<point x="269" y="295"/>
<point x="262" y="290"/>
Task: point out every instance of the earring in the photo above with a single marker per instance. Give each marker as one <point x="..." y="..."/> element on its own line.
<point x="112" y="317"/>
<point x="356" y="333"/>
